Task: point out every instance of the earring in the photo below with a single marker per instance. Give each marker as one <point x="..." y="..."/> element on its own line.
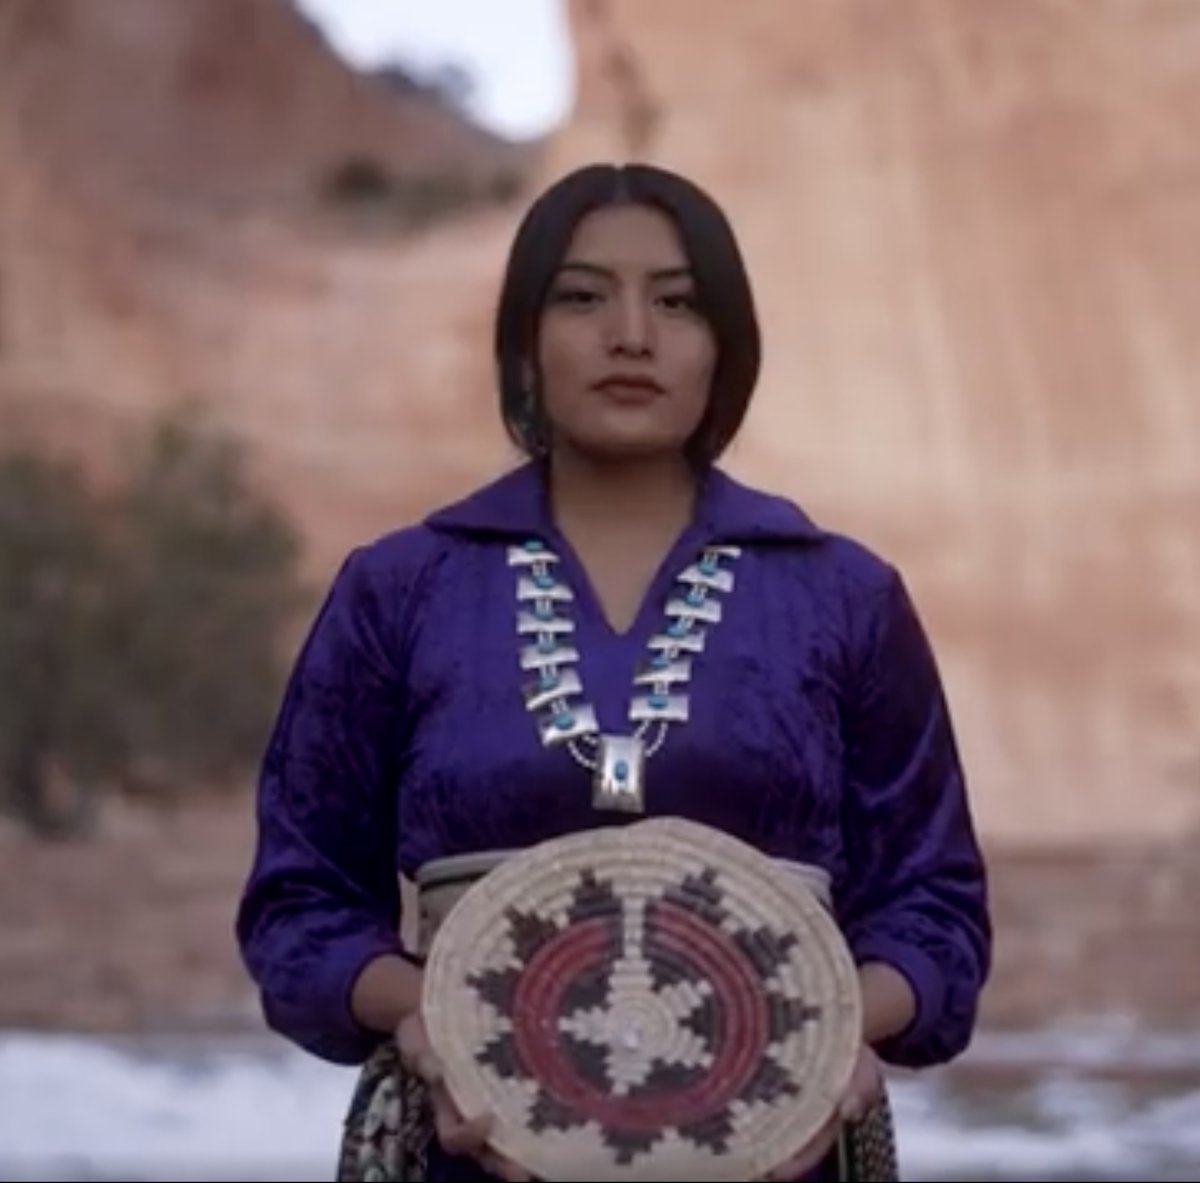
<point x="533" y="422"/>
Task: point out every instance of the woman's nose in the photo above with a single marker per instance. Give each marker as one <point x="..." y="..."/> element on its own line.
<point x="631" y="331"/>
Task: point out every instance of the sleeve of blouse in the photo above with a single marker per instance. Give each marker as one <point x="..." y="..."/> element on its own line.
<point x="322" y="896"/>
<point x="916" y="890"/>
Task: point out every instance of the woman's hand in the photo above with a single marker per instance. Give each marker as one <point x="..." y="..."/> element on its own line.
<point x="863" y="1091"/>
<point x="459" y="1135"/>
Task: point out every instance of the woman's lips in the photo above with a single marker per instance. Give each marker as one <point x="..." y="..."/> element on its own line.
<point x="630" y="390"/>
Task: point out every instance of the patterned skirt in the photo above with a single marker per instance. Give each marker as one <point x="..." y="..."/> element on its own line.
<point x="389" y="1129"/>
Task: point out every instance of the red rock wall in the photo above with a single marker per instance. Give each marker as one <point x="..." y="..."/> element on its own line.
<point x="973" y="229"/>
<point x="975" y="233"/>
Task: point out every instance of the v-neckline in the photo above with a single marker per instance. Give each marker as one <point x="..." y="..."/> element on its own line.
<point x="653" y="601"/>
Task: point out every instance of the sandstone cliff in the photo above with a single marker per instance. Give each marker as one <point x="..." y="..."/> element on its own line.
<point x="163" y="235"/>
<point x="974" y="234"/>
<point x="975" y="230"/>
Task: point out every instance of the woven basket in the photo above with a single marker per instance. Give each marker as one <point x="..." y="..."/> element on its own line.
<point x="388" y="1132"/>
<point x="646" y="1002"/>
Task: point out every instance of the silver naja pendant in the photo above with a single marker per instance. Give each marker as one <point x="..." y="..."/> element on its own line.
<point x="619" y="780"/>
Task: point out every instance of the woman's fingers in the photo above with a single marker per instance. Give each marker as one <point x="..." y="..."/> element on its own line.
<point x="503" y="1168"/>
<point x="458" y="1135"/>
<point x="415" y="1052"/>
<point x="865" y="1089"/>
<point x="810" y="1157"/>
<point x="468" y="1137"/>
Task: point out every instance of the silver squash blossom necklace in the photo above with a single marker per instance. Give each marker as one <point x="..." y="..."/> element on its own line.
<point x="554" y="692"/>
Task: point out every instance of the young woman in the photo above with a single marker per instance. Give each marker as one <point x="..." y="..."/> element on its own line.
<point x="615" y="628"/>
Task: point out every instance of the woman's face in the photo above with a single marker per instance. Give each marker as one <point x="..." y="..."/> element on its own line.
<point x="625" y="358"/>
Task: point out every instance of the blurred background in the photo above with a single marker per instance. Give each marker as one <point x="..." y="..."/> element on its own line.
<point x="249" y="251"/>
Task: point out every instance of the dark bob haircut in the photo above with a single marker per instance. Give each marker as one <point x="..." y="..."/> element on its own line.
<point x="722" y="288"/>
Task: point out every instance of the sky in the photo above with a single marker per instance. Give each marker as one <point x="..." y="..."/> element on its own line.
<point x="516" y="51"/>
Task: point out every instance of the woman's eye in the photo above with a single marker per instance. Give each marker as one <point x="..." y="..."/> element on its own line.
<point x="679" y="301"/>
<point x="576" y="297"/>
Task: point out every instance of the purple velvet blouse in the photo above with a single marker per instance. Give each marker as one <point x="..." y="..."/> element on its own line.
<point x="818" y="732"/>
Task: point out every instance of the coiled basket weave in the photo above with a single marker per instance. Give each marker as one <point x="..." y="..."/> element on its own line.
<point x="651" y="1001"/>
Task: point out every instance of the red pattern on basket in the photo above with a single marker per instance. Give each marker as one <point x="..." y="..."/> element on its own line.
<point x="715" y="958"/>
